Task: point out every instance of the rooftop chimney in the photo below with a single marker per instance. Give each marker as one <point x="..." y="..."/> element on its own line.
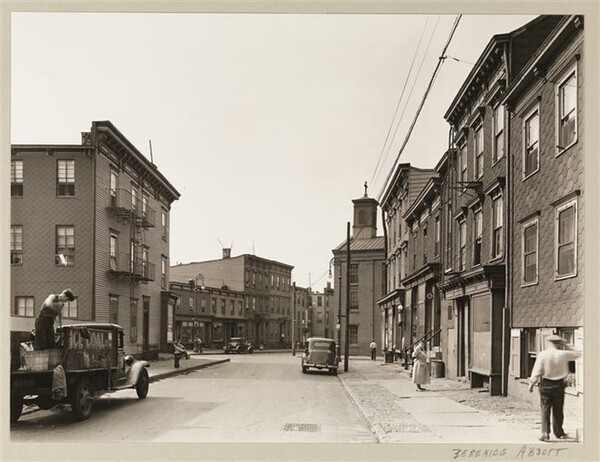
<point x="226" y="253"/>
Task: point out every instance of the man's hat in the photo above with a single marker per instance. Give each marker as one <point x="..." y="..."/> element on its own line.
<point x="69" y="294"/>
<point x="555" y="338"/>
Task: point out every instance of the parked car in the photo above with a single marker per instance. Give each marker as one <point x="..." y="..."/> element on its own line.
<point x="238" y="345"/>
<point x="320" y="353"/>
<point x="94" y="363"/>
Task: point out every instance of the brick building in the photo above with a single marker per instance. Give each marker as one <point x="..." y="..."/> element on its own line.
<point x="365" y="274"/>
<point x="405" y="185"/>
<point x="324" y="313"/>
<point x="213" y="314"/>
<point x="546" y="103"/>
<point x="303" y="307"/>
<point x="93" y="217"/>
<point x="420" y="317"/>
<point x="266" y="285"/>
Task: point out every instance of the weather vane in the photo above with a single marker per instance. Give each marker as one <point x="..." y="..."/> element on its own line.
<point x="365" y="189"/>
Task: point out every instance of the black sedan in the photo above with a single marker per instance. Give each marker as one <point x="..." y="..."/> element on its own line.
<point x="238" y="345"/>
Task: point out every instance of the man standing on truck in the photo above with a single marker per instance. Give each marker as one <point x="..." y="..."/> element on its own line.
<point x="44" y="323"/>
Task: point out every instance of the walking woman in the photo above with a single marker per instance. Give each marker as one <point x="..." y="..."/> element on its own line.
<point x="420" y="371"/>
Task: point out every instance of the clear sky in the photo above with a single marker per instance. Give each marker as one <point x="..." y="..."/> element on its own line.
<point x="267" y="124"/>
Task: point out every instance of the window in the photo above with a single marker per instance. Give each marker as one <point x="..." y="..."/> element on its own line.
<point x="70" y="309"/>
<point x="163" y="272"/>
<point x="133" y="313"/>
<point x="414" y="246"/>
<point x="319" y="301"/>
<point x="530" y="253"/>
<point x="478" y="171"/>
<point x="353" y="334"/>
<point x="498" y="223"/>
<point x="566" y="240"/>
<point x="65" y="245"/>
<point x="425" y="244"/>
<point x="354" y="300"/>
<point x="353" y="276"/>
<point x="145" y="272"/>
<point x="449" y="242"/>
<point x="16" y="178"/>
<point x="113" y="188"/>
<point x="462" y="233"/>
<point x="163" y="224"/>
<point x="213" y="305"/>
<point x="113" y="253"/>
<point x="145" y="199"/>
<point x="134" y="197"/>
<point x="24" y="306"/>
<point x="498" y="148"/>
<point x="113" y="309"/>
<point x="437" y="236"/>
<point x="478" y="231"/>
<point x="319" y="318"/>
<point x="65" y="178"/>
<point x="567" y="110"/>
<point x="232" y="307"/>
<point x="240" y="307"/>
<point x="16" y="245"/>
<point x="223" y="306"/>
<point x="462" y="163"/>
<point x="531" y="136"/>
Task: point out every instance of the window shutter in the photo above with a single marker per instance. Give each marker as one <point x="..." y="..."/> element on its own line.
<point x="579" y="361"/>
<point x="515" y="353"/>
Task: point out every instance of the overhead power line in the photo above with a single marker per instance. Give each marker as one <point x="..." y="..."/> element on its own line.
<point x="387" y="137"/>
<point x="441" y="59"/>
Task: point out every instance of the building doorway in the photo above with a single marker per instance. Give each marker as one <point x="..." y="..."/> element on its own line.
<point x="463" y="344"/>
<point x="146" y="325"/>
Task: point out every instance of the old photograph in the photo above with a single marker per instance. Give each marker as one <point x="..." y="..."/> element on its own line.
<point x="296" y="226"/>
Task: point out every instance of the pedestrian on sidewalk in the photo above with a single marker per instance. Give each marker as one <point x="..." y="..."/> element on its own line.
<point x="420" y="371"/>
<point x="549" y="371"/>
<point x="373" y="348"/>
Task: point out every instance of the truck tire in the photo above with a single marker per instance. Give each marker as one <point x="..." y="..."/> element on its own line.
<point x="16" y="408"/>
<point x="81" y="400"/>
<point x="142" y="385"/>
<point x="304" y="369"/>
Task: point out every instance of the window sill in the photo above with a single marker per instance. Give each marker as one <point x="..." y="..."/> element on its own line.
<point x="497" y="161"/>
<point x="567" y="276"/>
<point x="559" y="152"/>
<point x="66" y="197"/>
<point x="496" y="259"/>
<point x="525" y="177"/>
<point x="529" y="284"/>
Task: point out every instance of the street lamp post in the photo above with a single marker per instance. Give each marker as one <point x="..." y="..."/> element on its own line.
<point x="194" y="284"/>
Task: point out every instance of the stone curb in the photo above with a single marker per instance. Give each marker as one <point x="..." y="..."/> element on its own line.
<point x="182" y="370"/>
<point x="375" y="428"/>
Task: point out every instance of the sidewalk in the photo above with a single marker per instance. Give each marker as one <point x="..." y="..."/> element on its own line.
<point x="398" y="413"/>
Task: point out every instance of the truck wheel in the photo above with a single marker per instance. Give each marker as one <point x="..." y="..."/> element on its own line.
<point x="304" y="369"/>
<point x="143" y="383"/>
<point x="16" y="408"/>
<point x="333" y="371"/>
<point x="81" y="401"/>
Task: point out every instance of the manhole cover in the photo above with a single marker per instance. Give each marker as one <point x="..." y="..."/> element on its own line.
<point x="296" y="427"/>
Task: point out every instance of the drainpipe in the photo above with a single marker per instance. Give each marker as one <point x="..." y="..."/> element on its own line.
<point x="508" y="236"/>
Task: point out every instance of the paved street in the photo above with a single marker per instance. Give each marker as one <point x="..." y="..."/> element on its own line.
<point x="266" y="398"/>
<point x="254" y="398"/>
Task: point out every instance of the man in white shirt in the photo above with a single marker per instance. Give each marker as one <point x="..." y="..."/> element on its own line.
<point x="373" y="348"/>
<point x="550" y="370"/>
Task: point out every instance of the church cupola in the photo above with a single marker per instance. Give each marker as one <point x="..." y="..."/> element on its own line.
<point x="365" y="217"/>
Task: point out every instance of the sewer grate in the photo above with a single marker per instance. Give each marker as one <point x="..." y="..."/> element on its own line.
<point x="297" y="427"/>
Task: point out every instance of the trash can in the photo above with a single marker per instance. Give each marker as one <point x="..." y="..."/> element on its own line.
<point x="437" y="368"/>
<point x="388" y="356"/>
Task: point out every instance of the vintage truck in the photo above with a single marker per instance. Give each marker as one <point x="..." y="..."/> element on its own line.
<point x="93" y="361"/>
